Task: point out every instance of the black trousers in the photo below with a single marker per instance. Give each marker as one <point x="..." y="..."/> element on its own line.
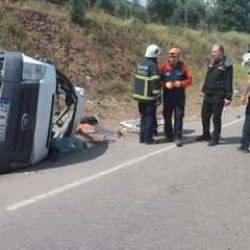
<point x="245" y="139"/>
<point x="147" y="111"/>
<point x="176" y="107"/>
<point x="212" y="109"/>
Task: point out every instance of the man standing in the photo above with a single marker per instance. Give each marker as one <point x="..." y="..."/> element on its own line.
<point x="175" y="77"/>
<point x="146" y="92"/>
<point x="216" y="92"/>
<point x="245" y="139"/>
<point x="245" y="100"/>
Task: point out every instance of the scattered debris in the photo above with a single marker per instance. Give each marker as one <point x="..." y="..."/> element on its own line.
<point x="93" y="132"/>
<point x="133" y="126"/>
<point x="69" y="145"/>
<point x="86" y="128"/>
<point x="92" y="120"/>
<point x="122" y="132"/>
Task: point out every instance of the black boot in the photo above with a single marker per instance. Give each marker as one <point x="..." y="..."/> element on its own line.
<point x="243" y="149"/>
<point x="213" y="142"/>
<point x="203" y="137"/>
<point x="179" y="142"/>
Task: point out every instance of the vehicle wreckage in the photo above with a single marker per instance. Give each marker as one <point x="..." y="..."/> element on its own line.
<point x="38" y="105"/>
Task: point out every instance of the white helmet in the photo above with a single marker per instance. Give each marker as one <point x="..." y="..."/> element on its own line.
<point x="152" y="51"/>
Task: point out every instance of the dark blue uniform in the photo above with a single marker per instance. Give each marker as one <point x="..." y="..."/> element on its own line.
<point x="174" y="99"/>
<point x="245" y="139"/>
<point x="146" y="92"/>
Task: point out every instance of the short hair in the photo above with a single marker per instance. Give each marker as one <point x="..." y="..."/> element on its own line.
<point x="220" y="47"/>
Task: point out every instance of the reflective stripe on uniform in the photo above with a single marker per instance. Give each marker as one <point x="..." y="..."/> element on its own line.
<point x="147" y="78"/>
<point x="156" y="92"/>
<point x="142" y="97"/>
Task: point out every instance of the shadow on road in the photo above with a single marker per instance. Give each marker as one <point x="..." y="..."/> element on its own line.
<point x="67" y="160"/>
<point x="161" y="136"/>
<point x="230" y="140"/>
<point x="223" y="141"/>
<point x="185" y="132"/>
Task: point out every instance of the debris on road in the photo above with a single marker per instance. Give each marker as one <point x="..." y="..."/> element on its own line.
<point x="133" y="126"/>
<point x="69" y="145"/>
<point x="93" y="132"/>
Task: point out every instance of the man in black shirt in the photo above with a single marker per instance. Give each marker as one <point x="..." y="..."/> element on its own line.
<point x="216" y="92"/>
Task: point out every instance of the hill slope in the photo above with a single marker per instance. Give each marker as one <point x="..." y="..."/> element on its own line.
<point x="101" y="56"/>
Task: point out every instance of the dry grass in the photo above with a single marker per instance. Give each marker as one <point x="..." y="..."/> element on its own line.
<point x="101" y="55"/>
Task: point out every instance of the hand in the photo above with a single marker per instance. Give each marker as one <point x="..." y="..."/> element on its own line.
<point x="158" y="102"/>
<point x="202" y="94"/>
<point x="169" y="85"/>
<point x="177" y="84"/>
<point x="243" y="100"/>
<point x="227" y="102"/>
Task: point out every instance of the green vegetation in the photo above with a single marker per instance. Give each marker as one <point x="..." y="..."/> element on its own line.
<point x="212" y="14"/>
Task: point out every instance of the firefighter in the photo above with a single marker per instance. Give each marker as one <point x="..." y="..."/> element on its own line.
<point x="147" y="92"/>
<point x="175" y="77"/>
<point x="216" y="92"/>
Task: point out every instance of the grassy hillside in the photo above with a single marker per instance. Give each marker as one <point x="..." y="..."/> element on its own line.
<point x="101" y="56"/>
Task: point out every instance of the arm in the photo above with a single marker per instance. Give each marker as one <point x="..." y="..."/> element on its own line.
<point x="229" y="83"/>
<point x="202" y="90"/>
<point x="154" y="72"/>
<point x="203" y="85"/>
<point x="188" y="75"/>
<point x="161" y="69"/>
<point x="245" y="94"/>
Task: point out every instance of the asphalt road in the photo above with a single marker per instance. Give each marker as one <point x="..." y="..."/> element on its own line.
<point x="130" y="196"/>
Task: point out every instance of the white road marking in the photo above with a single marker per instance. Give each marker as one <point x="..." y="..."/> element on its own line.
<point x="91" y="178"/>
<point x="85" y="180"/>
<point x="233" y="122"/>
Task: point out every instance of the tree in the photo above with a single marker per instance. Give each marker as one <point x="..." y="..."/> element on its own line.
<point x="107" y="5"/>
<point x="136" y="2"/>
<point x="233" y="14"/>
<point x="190" y="13"/>
<point x="194" y="13"/>
<point x="161" y="10"/>
<point x="139" y="12"/>
<point x="78" y="11"/>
